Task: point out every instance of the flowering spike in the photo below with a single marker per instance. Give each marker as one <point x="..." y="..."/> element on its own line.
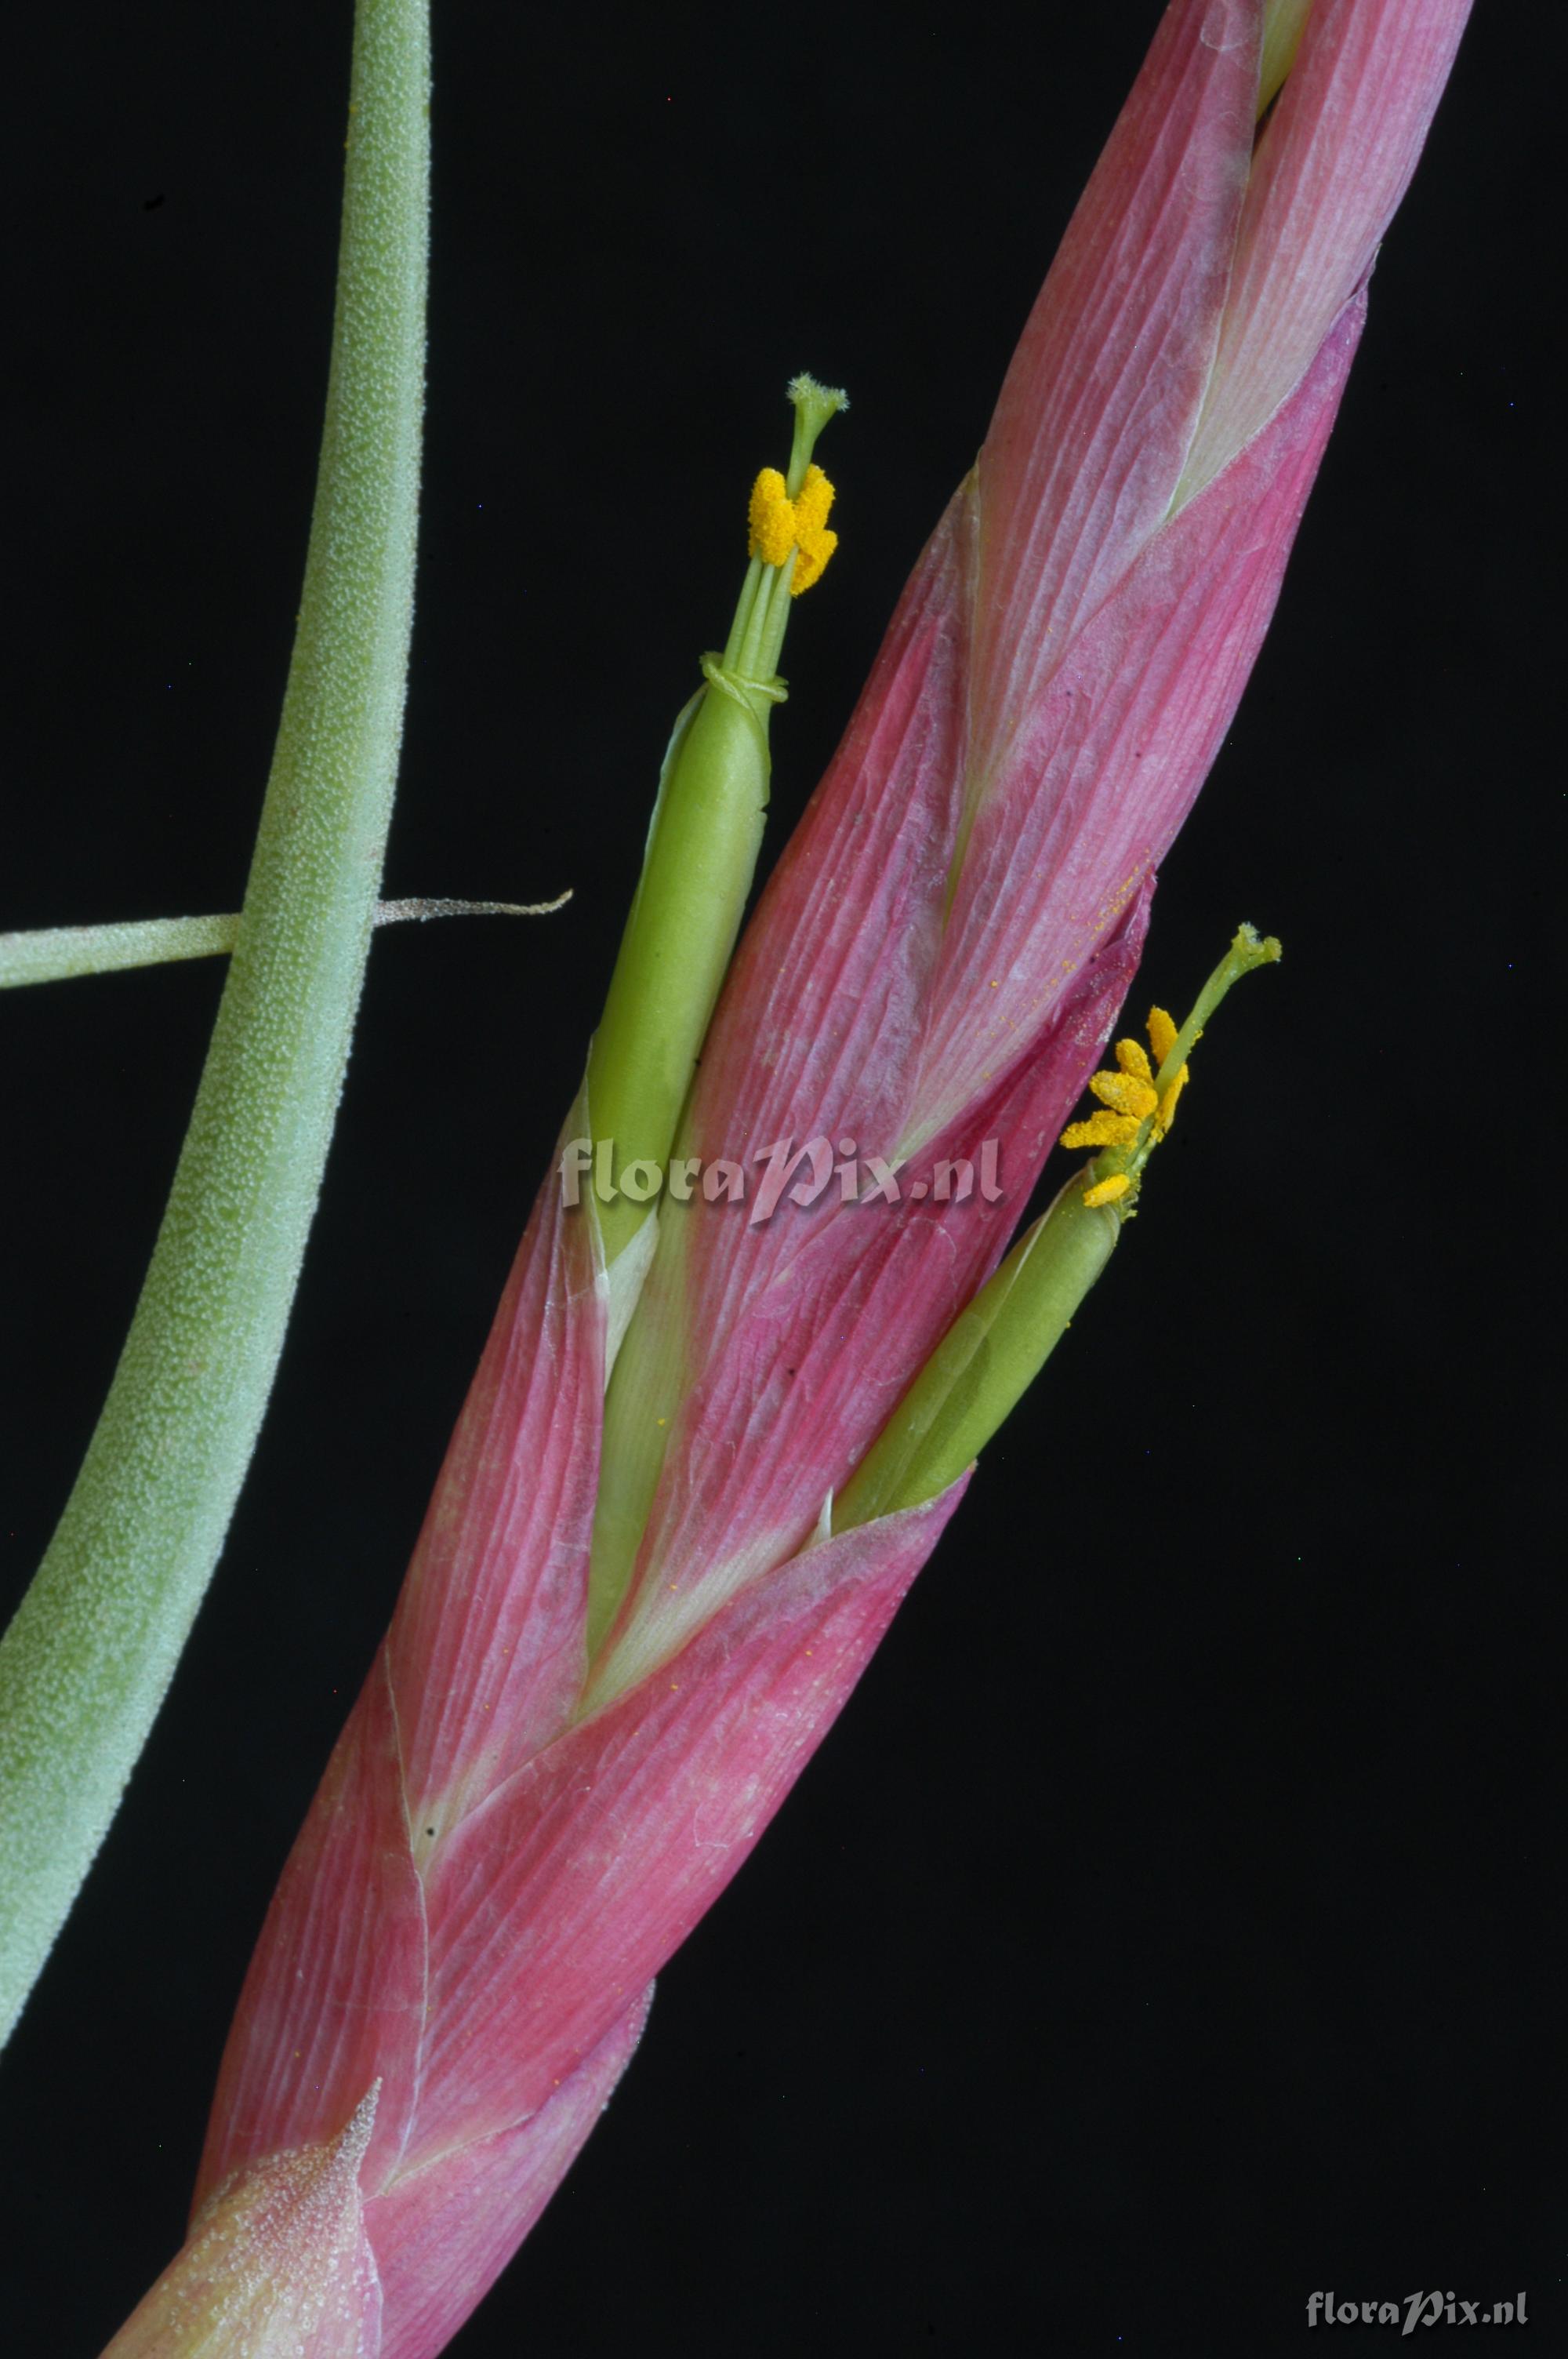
<point x="934" y="968"/>
<point x="1059" y="676"/>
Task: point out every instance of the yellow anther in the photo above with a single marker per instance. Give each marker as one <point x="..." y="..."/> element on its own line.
<point x="1140" y="1100"/>
<point x="1103" y="1129"/>
<point x="814" y="543"/>
<point x="1124" y="1093"/>
<point x="813" y="557"/>
<point x="772" y="519"/>
<point x="1167" y="1113"/>
<point x="812" y="503"/>
<point x="779" y="524"/>
<point x="1162" y="1034"/>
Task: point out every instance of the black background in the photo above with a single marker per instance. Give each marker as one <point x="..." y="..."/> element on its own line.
<point x="1173" y="1924"/>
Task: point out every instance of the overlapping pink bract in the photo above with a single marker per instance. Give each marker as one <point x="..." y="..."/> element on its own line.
<point x="509" y="1843"/>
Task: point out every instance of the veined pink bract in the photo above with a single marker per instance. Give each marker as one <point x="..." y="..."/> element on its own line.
<point x="518" y="1827"/>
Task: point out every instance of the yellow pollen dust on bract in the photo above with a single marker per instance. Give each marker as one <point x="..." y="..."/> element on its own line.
<point x="778" y="524"/>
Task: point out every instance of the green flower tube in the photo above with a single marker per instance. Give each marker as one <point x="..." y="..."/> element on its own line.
<point x="704" y="840"/>
<point x="985" y="1362"/>
<point x="998" y="1343"/>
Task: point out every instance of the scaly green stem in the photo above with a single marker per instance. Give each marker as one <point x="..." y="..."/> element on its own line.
<point x="55" y="953"/>
<point x="88" y="1656"/>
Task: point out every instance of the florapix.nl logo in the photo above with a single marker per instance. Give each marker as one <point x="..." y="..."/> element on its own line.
<point x="1416" y="2309"/>
<point x="802" y="1174"/>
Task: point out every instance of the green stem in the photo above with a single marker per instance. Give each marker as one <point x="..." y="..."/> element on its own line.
<point x="84" y="1665"/>
<point x="1248" y="951"/>
<point x="54" y="953"/>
